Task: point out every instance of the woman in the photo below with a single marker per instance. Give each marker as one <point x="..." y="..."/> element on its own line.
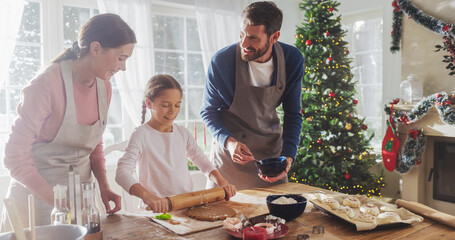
<point x="62" y="118"/>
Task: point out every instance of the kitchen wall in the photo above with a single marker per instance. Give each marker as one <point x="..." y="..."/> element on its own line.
<point x="418" y="43"/>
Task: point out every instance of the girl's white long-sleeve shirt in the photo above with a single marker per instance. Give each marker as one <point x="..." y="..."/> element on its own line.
<point x="161" y="158"/>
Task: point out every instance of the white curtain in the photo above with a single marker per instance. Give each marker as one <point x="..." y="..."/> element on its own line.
<point x="10" y="20"/>
<point x="218" y="22"/>
<point x="139" y="67"/>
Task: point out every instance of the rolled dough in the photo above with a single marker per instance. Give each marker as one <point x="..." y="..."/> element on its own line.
<point x="210" y="212"/>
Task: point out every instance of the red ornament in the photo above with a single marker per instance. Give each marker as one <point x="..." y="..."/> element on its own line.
<point x="319" y="141"/>
<point x="391" y="33"/>
<point x="308" y="42"/>
<point x="332" y="94"/>
<point x="397" y="9"/>
<point x="330" y="58"/>
<point x="394" y="4"/>
<point x="347" y="51"/>
<point x="446" y="28"/>
<point x="349" y="115"/>
<point x="327" y="34"/>
<point x="301" y="111"/>
<point x="347" y="175"/>
<point x="447" y="103"/>
<point x="439" y="95"/>
<point x="330" y="9"/>
<point x="349" y="150"/>
<point x="355" y="101"/>
<point x="364" y="127"/>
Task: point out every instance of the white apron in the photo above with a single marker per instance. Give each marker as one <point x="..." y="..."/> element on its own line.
<point x="72" y="145"/>
<point x="253" y="120"/>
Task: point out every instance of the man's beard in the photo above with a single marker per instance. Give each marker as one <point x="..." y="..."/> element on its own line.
<point x="257" y="53"/>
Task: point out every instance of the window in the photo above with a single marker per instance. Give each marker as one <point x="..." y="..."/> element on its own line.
<point x="364" y="35"/>
<point x="177" y="52"/>
<point x="25" y="62"/>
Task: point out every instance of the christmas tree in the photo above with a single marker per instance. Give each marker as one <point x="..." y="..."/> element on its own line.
<point x="334" y="151"/>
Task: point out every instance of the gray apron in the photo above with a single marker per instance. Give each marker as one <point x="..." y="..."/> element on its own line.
<point x="72" y="145"/>
<point x="253" y="120"/>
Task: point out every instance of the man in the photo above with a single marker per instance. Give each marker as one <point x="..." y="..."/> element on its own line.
<point x="246" y="82"/>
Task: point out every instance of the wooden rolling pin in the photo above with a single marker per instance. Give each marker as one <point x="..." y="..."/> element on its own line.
<point x="192" y="199"/>
<point x="428" y="212"/>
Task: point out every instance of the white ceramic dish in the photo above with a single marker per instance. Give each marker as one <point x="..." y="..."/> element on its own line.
<point x="48" y="232"/>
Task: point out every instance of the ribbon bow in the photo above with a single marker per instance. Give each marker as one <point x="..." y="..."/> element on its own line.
<point x="414" y="133"/>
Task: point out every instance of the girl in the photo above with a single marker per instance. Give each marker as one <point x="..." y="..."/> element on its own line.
<point x="62" y="118"/>
<point x="162" y="148"/>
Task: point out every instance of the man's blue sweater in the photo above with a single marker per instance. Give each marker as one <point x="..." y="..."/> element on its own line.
<point x="220" y="88"/>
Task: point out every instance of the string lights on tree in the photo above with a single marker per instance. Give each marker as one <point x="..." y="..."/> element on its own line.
<point x="334" y="151"/>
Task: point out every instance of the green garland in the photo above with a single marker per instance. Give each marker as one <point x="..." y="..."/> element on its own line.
<point x="442" y="101"/>
<point x="435" y="25"/>
<point x="396" y="27"/>
<point x="412" y="151"/>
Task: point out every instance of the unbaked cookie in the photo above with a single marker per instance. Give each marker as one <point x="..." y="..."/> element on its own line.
<point x="210" y="212"/>
<point x="347" y="210"/>
<point x="388" y="217"/>
<point x="351" y="202"/>
<point x="333" y="204"/>
<point x="370" y="208"/>
<point x="365" y="217"/>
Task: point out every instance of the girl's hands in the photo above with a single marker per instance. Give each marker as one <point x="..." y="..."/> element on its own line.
<point x="229" y="190"/>
<point x="156" y="204"/>
<point x="153" y="202"/>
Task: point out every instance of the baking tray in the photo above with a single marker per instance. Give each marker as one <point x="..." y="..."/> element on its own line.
<point x="378" y="227"/>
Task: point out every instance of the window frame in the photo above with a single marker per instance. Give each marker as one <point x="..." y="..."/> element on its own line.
<point x="364" y="16"/>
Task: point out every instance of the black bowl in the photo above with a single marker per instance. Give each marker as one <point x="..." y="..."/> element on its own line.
<point x="286" y="211"/>
<point x="271" y="167"/>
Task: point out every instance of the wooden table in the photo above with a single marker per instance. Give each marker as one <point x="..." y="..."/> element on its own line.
<point x="128" y="227"/>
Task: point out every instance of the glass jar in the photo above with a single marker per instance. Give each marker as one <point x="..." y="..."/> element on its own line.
<point x="405" y="92"/>
<point x="90" y="214"/>
<point x="416" y="88"/>
<point x="60" y="214"/>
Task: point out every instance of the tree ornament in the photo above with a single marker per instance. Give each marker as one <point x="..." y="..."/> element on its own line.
<point x="347" y="175"/>
<point x="317" y="163"/>
<point x="347" y="51"/>
<point x="355" y="101"/>
<point x="301" y="111"/>
<point x="309" y="119"/>
<point x="308" y="42"/>
<point x="364" y="127"/>
<point x="330" y="58"/>
<point x="349" y="115"/>
<point x="446" y="28"/>
<point x="330" y="9"/>
<point x="348" y="126"/>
